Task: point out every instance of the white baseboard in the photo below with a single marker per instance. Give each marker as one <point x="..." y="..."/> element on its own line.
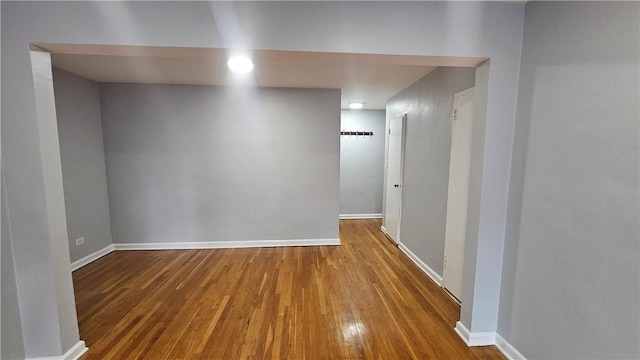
<point x="360" y="216"/>
<point x="507" y="349"/>
<point x="383" y="229"/>
<point x="475" y="339"/>
<point x="91" y="257"/>
<point x="424" y="267"/>
<point x="201" y="245"/>
<point x="488" y="338"/>
<point x="74" y="353"/>
<point x="226" y="244"/>
<point x="462" y="331"/>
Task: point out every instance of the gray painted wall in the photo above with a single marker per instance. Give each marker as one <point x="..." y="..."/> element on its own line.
<point x="83" y="168"/>
<point x="362" y="162"/>
<point x="429" y="107"/>
<point x="200" y="163"/>
<point x="570" y="288"/>
<point x="475" y="29"/>
<point x="12" y="342"/>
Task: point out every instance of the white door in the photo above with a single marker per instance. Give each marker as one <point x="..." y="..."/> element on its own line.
<point x="460" y="164"/>
<point x="394" y="179"/>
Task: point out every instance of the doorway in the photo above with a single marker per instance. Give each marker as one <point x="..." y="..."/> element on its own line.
<point x="395" y="156"/>
<point x="458" y="193"/>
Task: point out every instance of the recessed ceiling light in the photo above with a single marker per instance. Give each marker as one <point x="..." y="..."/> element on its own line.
<point x="356" y="105"/>
<point x="240" y="64"/>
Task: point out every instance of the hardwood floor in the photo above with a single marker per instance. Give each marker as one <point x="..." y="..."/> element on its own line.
<point x="361" y="300"/>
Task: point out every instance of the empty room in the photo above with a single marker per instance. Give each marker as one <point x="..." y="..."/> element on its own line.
<point x="320" y="180"/>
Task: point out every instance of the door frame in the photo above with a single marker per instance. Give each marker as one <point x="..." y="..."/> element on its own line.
<point x="403" y="116"/>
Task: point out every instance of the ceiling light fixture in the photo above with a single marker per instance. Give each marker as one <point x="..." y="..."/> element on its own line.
<point x="240" y="64"/>
<point x="356" y="105"/>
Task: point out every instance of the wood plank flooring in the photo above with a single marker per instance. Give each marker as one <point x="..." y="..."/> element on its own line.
<point x="361" y="300"/>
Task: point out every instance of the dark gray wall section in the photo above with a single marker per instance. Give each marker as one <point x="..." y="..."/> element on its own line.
<point x="429" y="107"/>
<point x="570" y="279"/>
<point x="198" y="163"/>
<point x="83" y="168"/>
<point x="12" y="342"/>
<point x="362" y="162"/>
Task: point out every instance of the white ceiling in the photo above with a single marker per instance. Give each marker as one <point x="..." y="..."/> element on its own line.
<point x="370" y="78"/>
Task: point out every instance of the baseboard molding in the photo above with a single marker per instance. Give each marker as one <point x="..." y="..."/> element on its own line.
<point x="201" y="245"/>
<point x="91" y="257"/>
<point x="383" y="229"/>
<point x="226" y="244"/>
<point x="424" y="267"/>
<point x="507" y="349"/>
<point x="488" y="338"/>
<point x="74" y="353"/>
<point x="475" y="339"/>
<point x="360" y="216"/>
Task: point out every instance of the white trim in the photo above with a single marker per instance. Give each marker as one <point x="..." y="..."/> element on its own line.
<point x="225" y="244"/>
<point x="360" y="216"/>
<point x="91" y="257"/>
<point x="424" y="267"/>
<point x="200" y="245"/>
<point x="507" y="349"/>
<point x="383" y="229"/>
<point x="464" y="92"/>
<point x="462" y="331"/>
<point x="400" y="113"/>
<point x="475" y="339"/>
<point x="74" y="353"/>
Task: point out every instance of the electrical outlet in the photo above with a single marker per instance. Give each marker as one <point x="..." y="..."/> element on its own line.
<point x="80" y="241"/>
